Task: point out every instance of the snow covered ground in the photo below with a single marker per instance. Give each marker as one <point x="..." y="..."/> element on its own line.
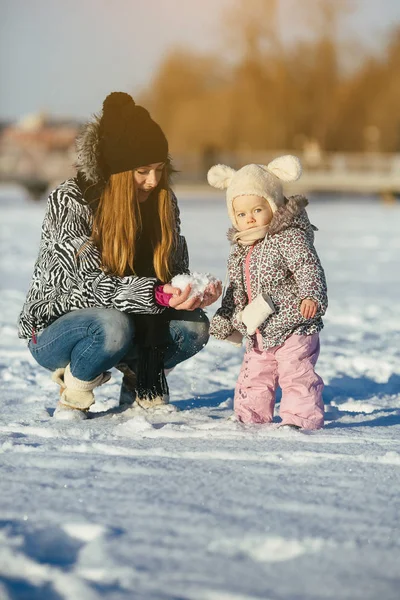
<point x="190" y="505"/>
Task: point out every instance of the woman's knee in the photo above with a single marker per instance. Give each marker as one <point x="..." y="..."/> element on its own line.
<point x="198" y="331"/>
<point x="116" y="328"/>
<point x="188" y="337"/>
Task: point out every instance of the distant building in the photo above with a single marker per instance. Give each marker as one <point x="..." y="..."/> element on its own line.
<point x="37" y="151"/>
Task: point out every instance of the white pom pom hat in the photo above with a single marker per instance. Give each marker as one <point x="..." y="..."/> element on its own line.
<point x="256" y="180"/>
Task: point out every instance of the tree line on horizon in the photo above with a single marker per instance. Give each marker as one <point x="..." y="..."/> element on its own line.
<point x="265" y="94"/>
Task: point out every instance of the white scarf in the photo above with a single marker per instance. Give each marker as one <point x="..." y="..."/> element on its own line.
<point x="249" y="236"/>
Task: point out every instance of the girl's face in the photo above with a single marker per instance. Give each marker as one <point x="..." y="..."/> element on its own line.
<point x="147" y="178"/>
<point x="251" y="211"/>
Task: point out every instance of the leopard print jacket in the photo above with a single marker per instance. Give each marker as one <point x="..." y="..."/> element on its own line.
<point x="290" y="271"/>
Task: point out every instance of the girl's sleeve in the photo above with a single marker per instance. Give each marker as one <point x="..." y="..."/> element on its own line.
<point x="75" y="260"/>
<point x="221" y="326"/>
<point x="302" y="260"/>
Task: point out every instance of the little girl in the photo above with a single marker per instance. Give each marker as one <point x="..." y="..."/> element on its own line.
<point x="276" y="296"/>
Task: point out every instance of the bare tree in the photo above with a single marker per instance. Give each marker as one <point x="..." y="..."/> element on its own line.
<point x="266" y="92"/>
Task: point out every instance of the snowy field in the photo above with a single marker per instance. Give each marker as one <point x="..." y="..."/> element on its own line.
<point x="190" y="505"/>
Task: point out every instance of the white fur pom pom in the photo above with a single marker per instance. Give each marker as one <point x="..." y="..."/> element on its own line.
<point x="198" y="281"/>
<point x="286" y="168"/>
<point x="220" y="176"/>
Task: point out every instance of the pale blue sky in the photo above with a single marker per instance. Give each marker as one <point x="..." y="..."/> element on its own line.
<point x="65" y="56"/>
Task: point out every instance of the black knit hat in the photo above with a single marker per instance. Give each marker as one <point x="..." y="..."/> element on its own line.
<point x="129" y="138"/>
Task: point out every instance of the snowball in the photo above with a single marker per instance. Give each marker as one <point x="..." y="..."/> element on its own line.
<point x="198" y="281"/>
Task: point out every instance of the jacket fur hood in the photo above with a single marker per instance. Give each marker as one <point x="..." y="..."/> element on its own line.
<point x="291" y="214"/>
<point x="88" y="151"/>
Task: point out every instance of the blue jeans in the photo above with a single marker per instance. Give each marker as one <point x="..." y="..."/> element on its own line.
<point x="94" y="340"/>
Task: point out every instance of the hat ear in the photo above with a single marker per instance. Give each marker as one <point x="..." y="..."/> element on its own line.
<point x="220" y="176"/>
<point x="286" y="168"/>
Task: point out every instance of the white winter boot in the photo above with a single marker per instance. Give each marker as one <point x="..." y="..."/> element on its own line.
<point x="128" y="395"/>
<point x="153" y="402"/>
<point x="76" y="395"/>
<point x="157" y="401"/>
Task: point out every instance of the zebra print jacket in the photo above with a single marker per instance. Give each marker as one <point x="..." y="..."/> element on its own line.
<point x="65" y="280"/>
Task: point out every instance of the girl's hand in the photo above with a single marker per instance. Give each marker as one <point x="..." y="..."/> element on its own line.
<point x="180" y="300"/>
<point x="308" y="308"/>
<point x="211" y="294"/>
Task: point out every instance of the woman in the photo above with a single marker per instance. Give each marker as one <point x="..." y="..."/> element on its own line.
<point x="99" y="295"/>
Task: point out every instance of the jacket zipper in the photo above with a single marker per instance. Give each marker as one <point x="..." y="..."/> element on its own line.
<point x="247" y="272"/>
<point x="248" y="287"/>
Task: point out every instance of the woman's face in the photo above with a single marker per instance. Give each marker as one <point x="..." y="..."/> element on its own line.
<point x="147" y="178"/>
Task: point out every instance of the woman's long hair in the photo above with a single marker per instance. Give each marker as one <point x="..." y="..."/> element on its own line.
<point x="120" y="221"/>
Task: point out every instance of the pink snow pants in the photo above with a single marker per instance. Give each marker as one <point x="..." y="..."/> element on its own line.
<point x="290" y="365"/>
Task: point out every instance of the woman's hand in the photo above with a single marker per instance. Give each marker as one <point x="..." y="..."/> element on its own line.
<point x="180" y="299"/>
<point x="211" y="294"/>
<point x="308" y="308"/>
